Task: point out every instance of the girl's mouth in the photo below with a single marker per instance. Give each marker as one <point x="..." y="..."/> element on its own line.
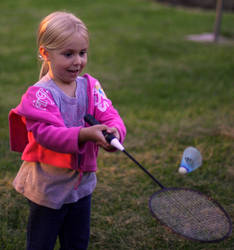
<point x="73" y="71"/>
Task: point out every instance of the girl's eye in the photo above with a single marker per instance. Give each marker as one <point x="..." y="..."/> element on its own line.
<point x="68" y="54"/>
<point x="83" y="53"/>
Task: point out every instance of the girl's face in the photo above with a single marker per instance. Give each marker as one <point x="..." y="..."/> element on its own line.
<point x="67" y="63"/>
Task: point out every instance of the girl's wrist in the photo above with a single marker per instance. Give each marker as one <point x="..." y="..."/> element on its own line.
<point x="83" y="136"/>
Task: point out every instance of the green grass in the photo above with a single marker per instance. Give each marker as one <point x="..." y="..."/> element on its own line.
<point x="171" y="93"/>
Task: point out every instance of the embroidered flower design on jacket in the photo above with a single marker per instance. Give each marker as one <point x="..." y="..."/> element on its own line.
<point x="42" y="99"/>
<point x="100" y="99"/>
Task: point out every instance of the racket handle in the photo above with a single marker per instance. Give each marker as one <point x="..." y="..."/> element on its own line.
<point x="110" y="138"/>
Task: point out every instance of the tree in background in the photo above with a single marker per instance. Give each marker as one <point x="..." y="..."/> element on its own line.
<point x="217" y="27"/>
<point x="220" y="5"/>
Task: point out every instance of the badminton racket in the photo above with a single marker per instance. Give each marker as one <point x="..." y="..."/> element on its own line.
<point x="186" y="212"/>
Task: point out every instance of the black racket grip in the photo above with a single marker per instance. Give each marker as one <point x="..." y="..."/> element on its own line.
<point x="92" y="121"/>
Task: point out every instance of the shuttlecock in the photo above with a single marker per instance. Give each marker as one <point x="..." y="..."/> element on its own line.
<point x="191" y="160"/>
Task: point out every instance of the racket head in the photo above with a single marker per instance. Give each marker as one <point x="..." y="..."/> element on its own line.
<point x="191" y="214"/>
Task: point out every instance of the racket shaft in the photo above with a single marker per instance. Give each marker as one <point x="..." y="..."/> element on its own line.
<point x="146" y="171"/>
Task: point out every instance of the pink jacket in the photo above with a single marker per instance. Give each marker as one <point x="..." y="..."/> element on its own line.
<point x="60" y="144"/>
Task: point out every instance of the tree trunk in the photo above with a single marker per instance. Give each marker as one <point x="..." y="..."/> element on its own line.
<point x="219" y="8"/>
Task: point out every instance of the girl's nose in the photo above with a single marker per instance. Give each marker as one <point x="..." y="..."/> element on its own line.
<point x="77" y="60"/>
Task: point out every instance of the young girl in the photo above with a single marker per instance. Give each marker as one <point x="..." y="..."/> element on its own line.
<point x="59" y="150"/>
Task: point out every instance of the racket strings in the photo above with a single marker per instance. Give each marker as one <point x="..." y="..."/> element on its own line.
<point x="198" y="223"/>
<point x="182" y="214"/>
<point x="191" y="214"/>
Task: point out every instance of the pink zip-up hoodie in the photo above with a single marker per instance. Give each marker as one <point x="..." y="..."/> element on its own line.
<point x="37" y="105"/>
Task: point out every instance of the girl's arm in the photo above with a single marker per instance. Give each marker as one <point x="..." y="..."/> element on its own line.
<point x="106" y="114"/>
<point x="59" y="139"/>
<point x="68" y="140"/>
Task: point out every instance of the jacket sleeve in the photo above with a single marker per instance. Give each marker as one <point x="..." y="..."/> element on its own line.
<point x="59" y="139"/>
<point x="105" y="112"/>
<point x="42" y="117"/>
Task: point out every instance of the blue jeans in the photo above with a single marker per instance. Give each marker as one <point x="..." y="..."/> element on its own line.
<point x="71" y="224"/>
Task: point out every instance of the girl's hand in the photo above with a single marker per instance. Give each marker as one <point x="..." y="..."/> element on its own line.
<point x="94" y="133"/>
<point x="114" y="131"/>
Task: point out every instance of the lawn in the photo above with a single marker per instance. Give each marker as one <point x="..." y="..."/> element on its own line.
<point x="171" y="93"/>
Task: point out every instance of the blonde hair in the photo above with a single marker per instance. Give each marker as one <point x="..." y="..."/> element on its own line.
<point x="54" y="31"/>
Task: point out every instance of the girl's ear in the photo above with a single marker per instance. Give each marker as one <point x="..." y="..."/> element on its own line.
<point x="44" y="53"/>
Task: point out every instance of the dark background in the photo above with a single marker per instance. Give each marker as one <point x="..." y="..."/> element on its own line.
<point x="207" y="4"/>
